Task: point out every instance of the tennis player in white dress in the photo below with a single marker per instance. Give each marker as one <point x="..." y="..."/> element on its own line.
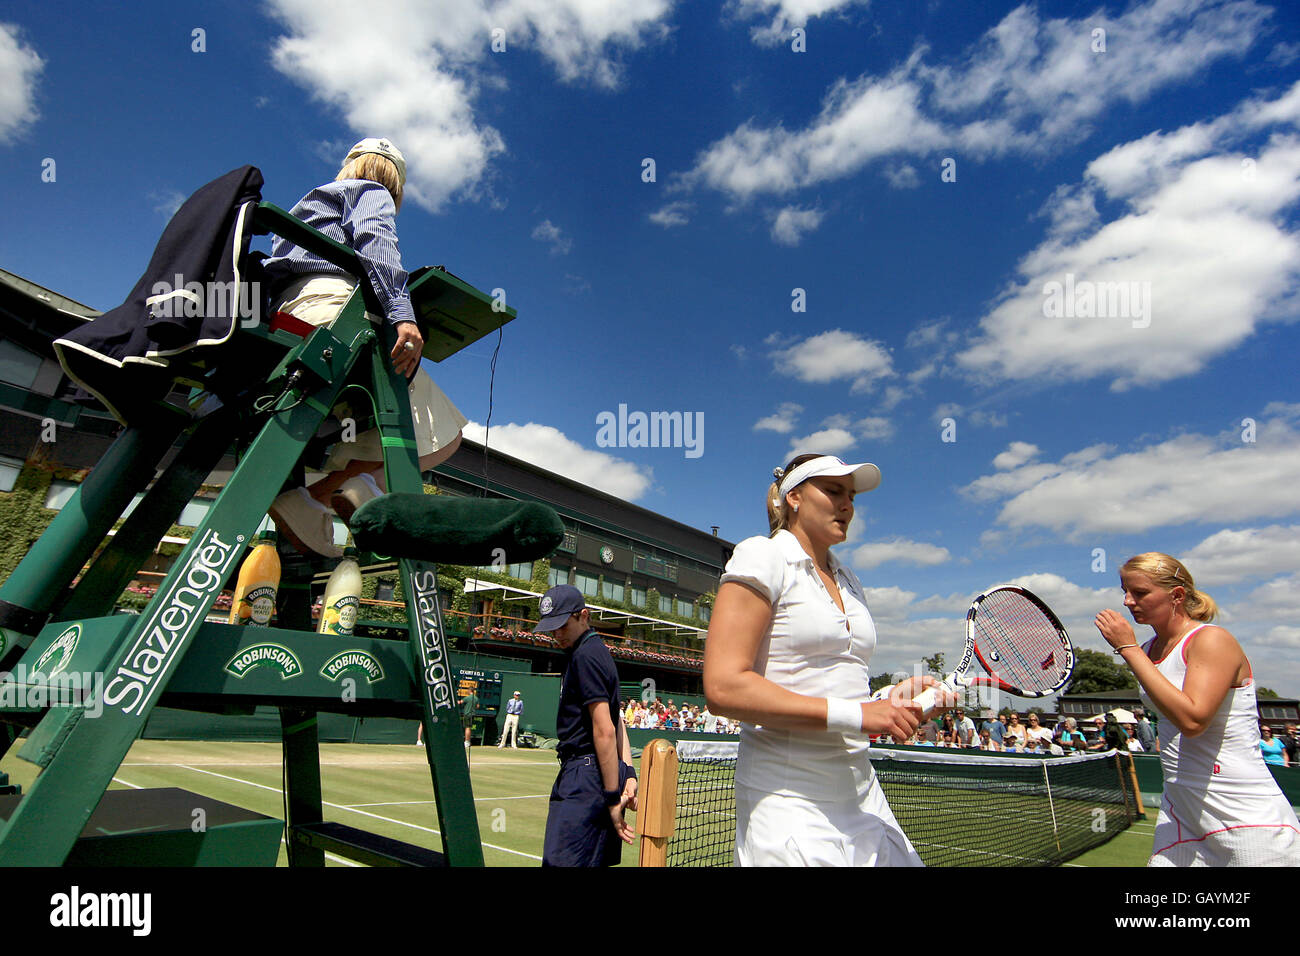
<point x="790" y="639"/>
<point x="1221" y="806"/>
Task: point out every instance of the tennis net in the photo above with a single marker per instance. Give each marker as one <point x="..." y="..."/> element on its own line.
<point x="957" y="809"/>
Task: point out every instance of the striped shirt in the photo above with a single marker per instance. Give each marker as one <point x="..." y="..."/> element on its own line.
<point x="360" y="215"/>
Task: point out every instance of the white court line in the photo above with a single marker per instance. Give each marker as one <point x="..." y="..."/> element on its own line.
<point x="407" y="803"/>
<point x="339" y="806"/>
<point x="282" y="842"/>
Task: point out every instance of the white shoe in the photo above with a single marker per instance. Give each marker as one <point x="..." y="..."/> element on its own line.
<point x="354" y="493"/>
<point x="306" y="522"/>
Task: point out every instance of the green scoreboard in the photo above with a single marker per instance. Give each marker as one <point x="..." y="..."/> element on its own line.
<point x="486" y="684"/>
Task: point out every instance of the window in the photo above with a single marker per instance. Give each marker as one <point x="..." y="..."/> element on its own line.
<point x="9" y="470"/>
<point x="60" y="494"/>
<point x="637" y="596"/>
<point x="614" y="591"/>
<point x="384" y="590"/>
<point x="588" y="584"/>
<point x="522" y="571"/>
<point x="685" y="608"/>
<point x="17" y="365"/>
<point x="704" y="613"/>
<point x="558" y="576"/>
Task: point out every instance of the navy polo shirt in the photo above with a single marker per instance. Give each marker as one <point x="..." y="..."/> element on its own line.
<point x="589" y="676"/>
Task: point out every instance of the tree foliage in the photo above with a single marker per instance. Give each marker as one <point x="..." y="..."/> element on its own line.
<point x="1096" y="671"/>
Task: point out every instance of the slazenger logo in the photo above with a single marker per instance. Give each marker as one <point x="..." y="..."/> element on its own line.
<point x="65" y="645"/>
<point x="433" y="651"/>
<point x="272" y="655"/>
<point x="178" y="612"/>
<point x="353" y="661"/>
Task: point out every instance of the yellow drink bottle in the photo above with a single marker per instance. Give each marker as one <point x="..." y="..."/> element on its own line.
<point x="338" y="612"/>
<point x="259" y="578"/>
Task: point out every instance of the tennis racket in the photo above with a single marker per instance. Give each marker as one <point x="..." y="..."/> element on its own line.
<point x="1018" y="641"/>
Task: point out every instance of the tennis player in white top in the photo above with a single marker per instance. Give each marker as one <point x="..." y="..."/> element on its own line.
<point x="789" y="642"/>
<point x="1221" y="806"/>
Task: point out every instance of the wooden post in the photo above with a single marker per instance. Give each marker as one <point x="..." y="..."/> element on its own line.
<point x="656" y="817"/>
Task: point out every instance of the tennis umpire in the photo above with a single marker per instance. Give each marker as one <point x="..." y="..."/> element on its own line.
<point x="596" y="783"/>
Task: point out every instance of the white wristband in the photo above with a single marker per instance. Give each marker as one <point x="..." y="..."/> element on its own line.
<point x="843" y="716"/>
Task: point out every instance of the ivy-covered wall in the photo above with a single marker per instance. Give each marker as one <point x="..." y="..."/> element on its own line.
<point x="23" y="515"/>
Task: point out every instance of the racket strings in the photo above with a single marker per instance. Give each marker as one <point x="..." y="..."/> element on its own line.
<point x="1018" y="643"/>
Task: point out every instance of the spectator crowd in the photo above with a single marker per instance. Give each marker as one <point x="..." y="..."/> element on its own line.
<point x="1007" y="733"/>
<point x="661" y="715"/>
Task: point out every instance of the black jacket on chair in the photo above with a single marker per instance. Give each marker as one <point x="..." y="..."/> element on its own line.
<point x="187" y="301"/>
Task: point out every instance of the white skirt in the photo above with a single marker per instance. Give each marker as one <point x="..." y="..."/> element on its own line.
<point x="1189" y="833"/>
<point x="782" y="830"/>
<point x="317" y="300"/>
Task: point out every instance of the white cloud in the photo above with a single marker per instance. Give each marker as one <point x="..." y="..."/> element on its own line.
<point x="673" y="214"/>
<point x="791" y="224"/>
<point x="1028" y="86"/>
<point x="899" y="551"/>
<point x="19" y="67"/>
<point x="835" y="355"/>
<point x="1232" y="555"/>
<point x="166" y="201"/>
<point x="548" y="232"/>
<point x="903" y="177"/>
<point x="412" y="69"/>
<point x="1189" y="479"/>
<point x="1202" y="253"/>
<point x="1017" y="454"/>
<point x="859" y="121"/>
<point x="874" y="428"/>
<point x="782" y="421"/>
<point x="828" y="441"/>
<point x="549" y="448"/>
<point x="785" y="15"/>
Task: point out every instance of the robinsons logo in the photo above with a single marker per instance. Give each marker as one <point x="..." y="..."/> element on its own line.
<point x="275" y="656"/>
<point x="345" y="661"/>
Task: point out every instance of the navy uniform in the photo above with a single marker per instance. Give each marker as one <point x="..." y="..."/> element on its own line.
<point x="579" y="831"/>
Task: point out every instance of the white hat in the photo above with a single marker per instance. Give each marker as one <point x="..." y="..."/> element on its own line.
<point x="380" y="147"/>
<point x="865" y="476"/>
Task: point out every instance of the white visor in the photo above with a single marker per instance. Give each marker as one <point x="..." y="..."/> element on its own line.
<point x="865" y="476"/>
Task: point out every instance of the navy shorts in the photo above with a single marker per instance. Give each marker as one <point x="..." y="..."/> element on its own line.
<point x="579" y="831"/>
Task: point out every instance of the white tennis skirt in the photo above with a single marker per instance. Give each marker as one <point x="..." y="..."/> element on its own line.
<point x="1191" y="834"/>
<point x="317" y="300"/>
<point x="781" y="830"/>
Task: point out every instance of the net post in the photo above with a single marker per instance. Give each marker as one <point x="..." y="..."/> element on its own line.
<point x="656" y="817"/>
<point x="1047" y="785"/>
<point x="1137" y="791"/>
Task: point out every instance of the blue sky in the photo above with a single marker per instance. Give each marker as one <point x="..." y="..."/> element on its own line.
<point x="858" y="215"/>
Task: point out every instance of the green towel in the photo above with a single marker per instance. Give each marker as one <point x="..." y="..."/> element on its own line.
<point x="446" y="530"/>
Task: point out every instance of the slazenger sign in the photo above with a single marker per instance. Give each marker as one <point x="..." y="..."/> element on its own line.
<point x="433" y="649"/>
<point x="142" y="670"/>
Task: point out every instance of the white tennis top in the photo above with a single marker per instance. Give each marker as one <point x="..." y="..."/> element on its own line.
<point x="813" y="648"/>
<point x="1217" y="782"/>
